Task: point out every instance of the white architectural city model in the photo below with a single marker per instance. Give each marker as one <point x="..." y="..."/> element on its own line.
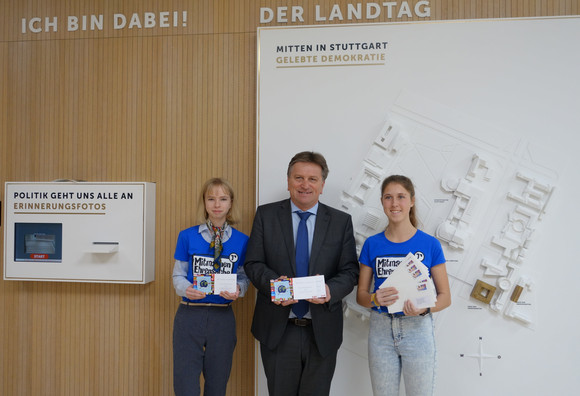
<point x="482" y="201"/>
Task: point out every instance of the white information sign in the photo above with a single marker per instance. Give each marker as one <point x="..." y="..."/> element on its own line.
<point x="80" y="232"/>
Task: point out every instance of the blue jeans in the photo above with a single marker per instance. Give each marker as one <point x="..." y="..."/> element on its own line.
<point x="402" y="345"/>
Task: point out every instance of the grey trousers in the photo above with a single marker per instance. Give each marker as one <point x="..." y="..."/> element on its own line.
<point x="204" y="339"/>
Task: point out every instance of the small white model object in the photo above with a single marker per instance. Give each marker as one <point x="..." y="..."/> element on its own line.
<point x="457" y="228"/>
<point x="361" y="197"/>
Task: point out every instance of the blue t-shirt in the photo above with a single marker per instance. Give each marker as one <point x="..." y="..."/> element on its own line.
<point x="383" y="256"/>
<point x="191" y="247"/>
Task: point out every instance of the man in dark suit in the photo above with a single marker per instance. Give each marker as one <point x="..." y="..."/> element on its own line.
<point x="299" y="341"/>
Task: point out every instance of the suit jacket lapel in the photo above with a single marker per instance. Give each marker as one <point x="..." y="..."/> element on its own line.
<point x="285" y="218"/>
<point x="320" y="230"/>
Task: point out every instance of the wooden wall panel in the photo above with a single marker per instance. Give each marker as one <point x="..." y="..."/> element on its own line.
<point x="173" y="106"/>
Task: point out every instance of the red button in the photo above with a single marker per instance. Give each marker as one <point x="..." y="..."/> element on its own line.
<point x="39" y="256"/>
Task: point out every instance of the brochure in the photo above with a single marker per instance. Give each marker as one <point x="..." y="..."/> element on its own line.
<point x="215" y="283"/>
<point x="302" y="288"/>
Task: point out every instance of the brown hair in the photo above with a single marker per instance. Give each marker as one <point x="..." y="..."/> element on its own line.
<point x="232" y="216"/>
<point x="309" y="156"/>
<point x="407" y="185"/>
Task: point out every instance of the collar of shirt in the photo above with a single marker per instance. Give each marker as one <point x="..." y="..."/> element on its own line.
<point x="294" y="208"/>
<point x="206" y="233"/>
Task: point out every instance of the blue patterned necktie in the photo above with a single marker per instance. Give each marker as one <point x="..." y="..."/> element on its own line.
<point x="302" y="259"/>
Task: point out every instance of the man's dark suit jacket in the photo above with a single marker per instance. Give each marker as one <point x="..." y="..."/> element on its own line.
<point x="271" y="254"/>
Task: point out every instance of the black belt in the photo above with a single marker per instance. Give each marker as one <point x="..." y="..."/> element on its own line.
<point x="395" y="315"/>
<point x="191" y="304"/>
<point x="302" y="322"/>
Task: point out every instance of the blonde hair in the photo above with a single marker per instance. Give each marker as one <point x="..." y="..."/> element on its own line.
<point x="202" y="215"/>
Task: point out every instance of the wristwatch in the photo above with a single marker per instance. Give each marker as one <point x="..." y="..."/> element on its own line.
<point x="428" y="311"/>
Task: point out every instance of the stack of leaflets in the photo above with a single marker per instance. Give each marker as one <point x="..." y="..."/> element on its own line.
<point x="412" y="281"/>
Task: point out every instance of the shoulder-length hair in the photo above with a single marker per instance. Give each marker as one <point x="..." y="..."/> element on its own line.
<point x="202" y="215"/>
